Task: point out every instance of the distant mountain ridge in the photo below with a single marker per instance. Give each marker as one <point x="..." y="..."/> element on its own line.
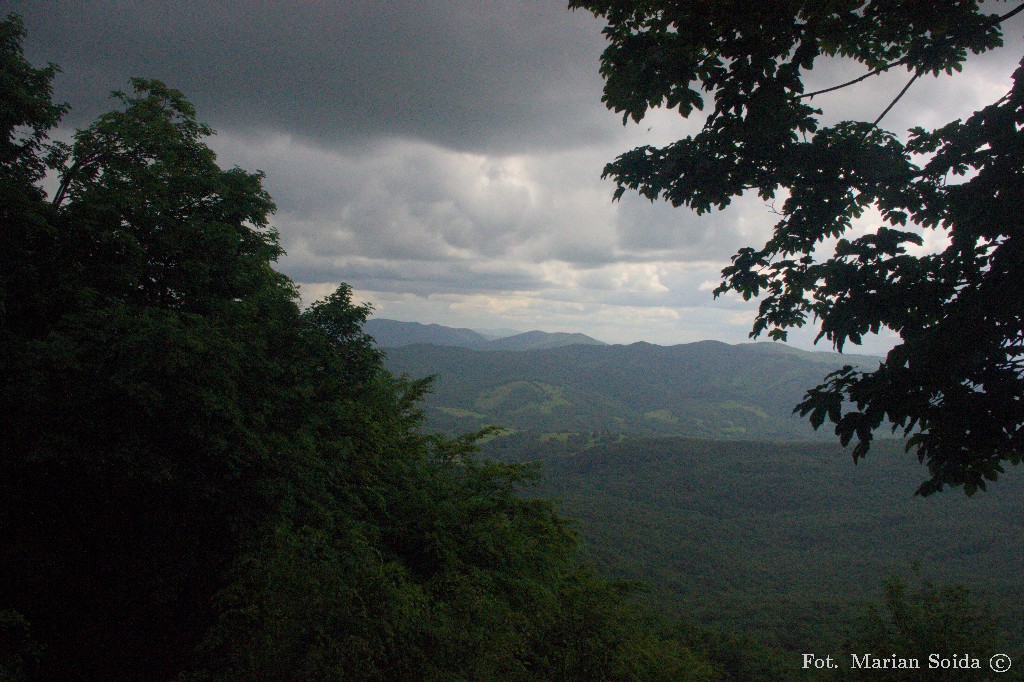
<point x="396" y="334"/>
<point x="393" y="334"/>
<point x="707" y="389"/>
<point x="537" y="340"/>
<point x="822" y="357"/>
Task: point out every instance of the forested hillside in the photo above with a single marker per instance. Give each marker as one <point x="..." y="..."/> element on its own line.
<point x="788" y="540"/>
<point x="706" y="389"/>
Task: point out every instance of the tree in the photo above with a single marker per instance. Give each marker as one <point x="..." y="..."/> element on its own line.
<point x="922" y="620"/>
<point x="953" y="383"/>
<point x="145" y="338"/>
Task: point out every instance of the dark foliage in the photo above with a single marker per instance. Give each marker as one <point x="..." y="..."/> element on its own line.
<point x="927" y="622"/>
<point x="954" y="380"/>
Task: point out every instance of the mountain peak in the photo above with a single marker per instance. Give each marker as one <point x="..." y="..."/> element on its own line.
<point x="536" y="340"/>
<point x="396" y="334"/>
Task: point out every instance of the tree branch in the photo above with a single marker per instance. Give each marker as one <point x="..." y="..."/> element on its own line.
<point x="69" y="177"/>
<point x="1009" y="14"/>
<point x="897" y="98"/>
<point x="869" y="74"/>
<point x="882" y="69"/>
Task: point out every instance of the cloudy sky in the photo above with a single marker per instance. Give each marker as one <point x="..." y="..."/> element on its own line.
<point x="444" y="157"/>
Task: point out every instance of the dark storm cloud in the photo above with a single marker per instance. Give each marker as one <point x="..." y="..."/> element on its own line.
<point x="482" y="75"/>
<point x="444" y="157"/>
<point x="417" y="277"/>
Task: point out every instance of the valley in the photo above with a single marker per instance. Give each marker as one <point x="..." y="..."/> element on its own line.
<point x="687" y="471"/>
<point x="707" y="389"/>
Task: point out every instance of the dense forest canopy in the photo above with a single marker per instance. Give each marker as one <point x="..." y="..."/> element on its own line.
<point x="785" y="539"/>
<point x="954" y="380"/>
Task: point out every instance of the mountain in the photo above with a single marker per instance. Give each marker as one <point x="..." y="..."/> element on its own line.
<point x="706" y="389"/>
<point x="823" y="357"/>
<point x="395" y="334"/>
<point x="498" y="332"/>
<point x="536" y="340"/>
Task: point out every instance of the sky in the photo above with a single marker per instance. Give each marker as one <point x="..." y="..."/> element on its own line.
<point x="444" y="158"/>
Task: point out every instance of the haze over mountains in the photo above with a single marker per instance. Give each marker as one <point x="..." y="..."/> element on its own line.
<point x="557" y="384"/>
<point x="395" y="334"/>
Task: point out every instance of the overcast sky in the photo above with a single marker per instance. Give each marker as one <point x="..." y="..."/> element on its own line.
<point x="444" y="157"/>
